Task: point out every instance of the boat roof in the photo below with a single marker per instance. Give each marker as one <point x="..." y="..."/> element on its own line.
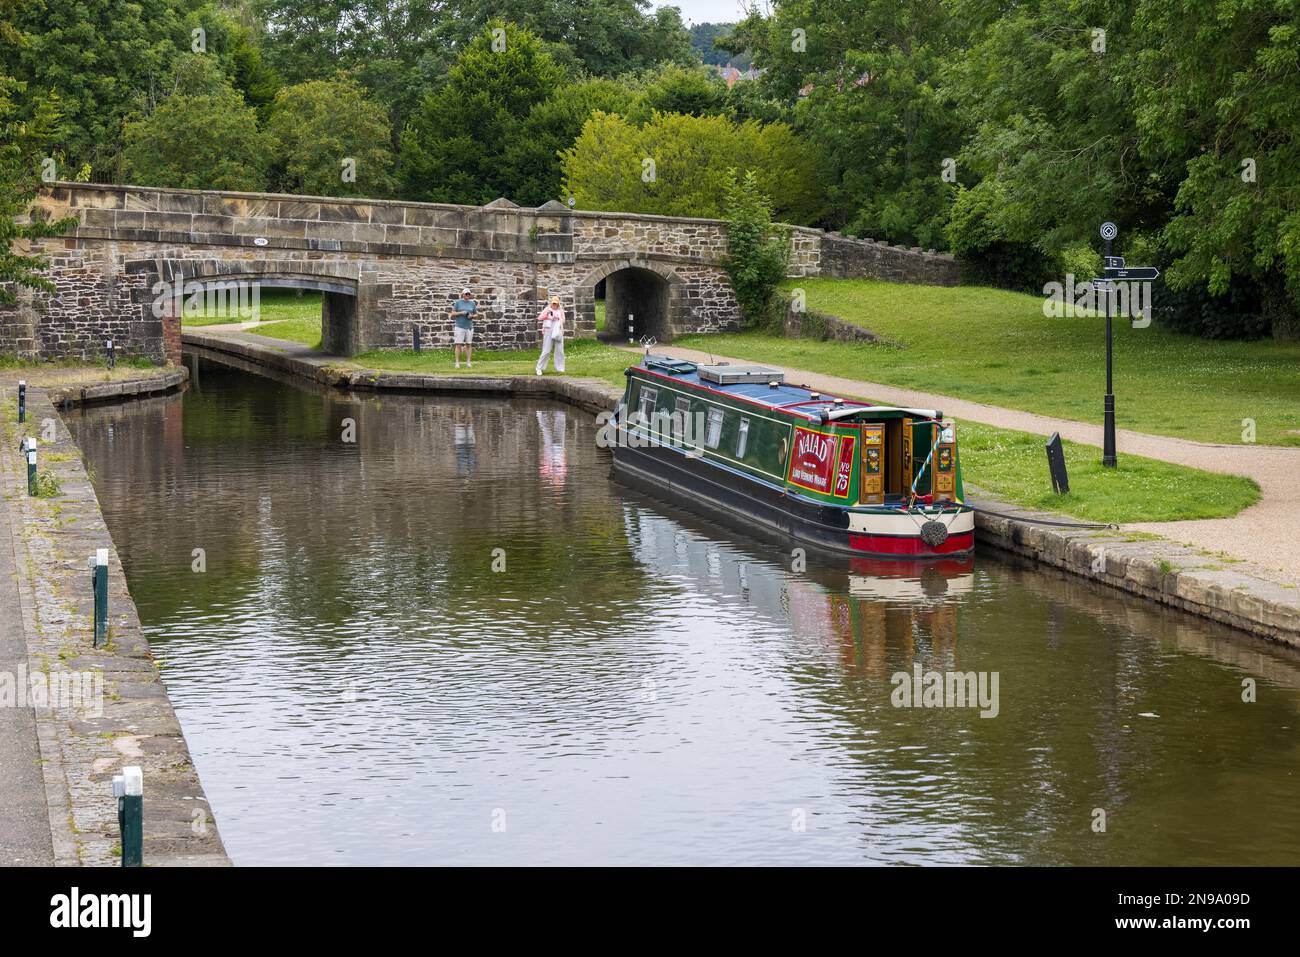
<point x="758" y="389"/>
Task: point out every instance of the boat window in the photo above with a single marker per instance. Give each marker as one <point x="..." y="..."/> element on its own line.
<point x="742" y="440"/>
<point x="713" y="433"/>
<point x="681" y="415"/>
<point x="646" y="403"/>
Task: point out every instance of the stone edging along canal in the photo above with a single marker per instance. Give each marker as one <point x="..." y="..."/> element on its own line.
<point x="83" y="746"/>
<point x="1158" y="570"/>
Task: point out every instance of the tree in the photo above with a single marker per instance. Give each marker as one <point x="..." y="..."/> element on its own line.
<point x="394" y="48"/>
<point x="1216" y="95"/>
<point x="671" y="88"/>
<point x="99" y="56"/>
<point x="1053" y="148"/>
<point x="22" y="144"/>
<point x="319" y="127"/>
<point x="676" y="165"/>
<point x="200" y="136"/>
<point x="604" y="38"/>
<point x="452" y="149"/>
<point x="758" y="254"/>
<point x="865" y="75"/>
<point x="532" y="158"/>
<point x="233" y="36"/>
<point x="703" y="37"/>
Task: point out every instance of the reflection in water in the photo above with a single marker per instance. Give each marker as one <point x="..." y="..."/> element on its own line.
<point x="358" y="685"/>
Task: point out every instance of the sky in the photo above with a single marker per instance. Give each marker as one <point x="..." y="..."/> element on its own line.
<point x="705" y="11"/>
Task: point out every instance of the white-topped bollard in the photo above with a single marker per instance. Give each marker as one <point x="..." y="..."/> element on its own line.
<point x="128" y="788"/>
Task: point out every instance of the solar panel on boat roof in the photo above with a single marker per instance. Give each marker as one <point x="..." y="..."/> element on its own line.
<point x="733" y="375"/>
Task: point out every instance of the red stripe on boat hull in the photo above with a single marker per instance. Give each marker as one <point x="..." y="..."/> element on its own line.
<point x="909" y="544"/>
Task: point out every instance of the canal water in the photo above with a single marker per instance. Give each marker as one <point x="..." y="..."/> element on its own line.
<point x="427" y="630"/>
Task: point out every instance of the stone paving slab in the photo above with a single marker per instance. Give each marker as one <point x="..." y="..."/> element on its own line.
<point x="82" y="747"/>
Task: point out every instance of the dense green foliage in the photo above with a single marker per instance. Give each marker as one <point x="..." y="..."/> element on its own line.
<point x="675" y="164"/>
<point x="452" y="149"/>
<point x="1174" y="118"/>
<point x="331" y="140"/>
<point x="24" y="144"/>
<point x="757" y="253"/>
<point x="1005" y="132"/>
<point x="201" y="135"/>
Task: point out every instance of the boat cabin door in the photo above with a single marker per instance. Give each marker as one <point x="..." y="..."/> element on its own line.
<point x="871" y="483"/>
<point x="886" y="460"/>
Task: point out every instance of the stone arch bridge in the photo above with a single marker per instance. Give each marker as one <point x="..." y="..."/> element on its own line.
<point x="388" y="268"/>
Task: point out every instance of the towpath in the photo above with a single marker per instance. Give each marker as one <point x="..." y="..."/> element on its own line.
<point x="24" y="825"/>
<point x="1267" y="534"/>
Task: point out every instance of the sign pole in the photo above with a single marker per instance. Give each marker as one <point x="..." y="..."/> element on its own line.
<point x="1108" y="233"/>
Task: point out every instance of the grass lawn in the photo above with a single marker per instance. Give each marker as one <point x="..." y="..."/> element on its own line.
<point x="304" y="330"/>
<point x="583" y="357"/>
<point x="997" y="347"/>
<point x="1009" y="464"/>
<point x="274" y="305"/>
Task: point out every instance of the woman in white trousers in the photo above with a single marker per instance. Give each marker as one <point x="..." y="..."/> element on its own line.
<point x="552" y="320"/>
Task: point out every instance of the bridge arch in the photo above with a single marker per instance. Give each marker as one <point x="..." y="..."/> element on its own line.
<point x="651" y="292"/>
<point x="341" y="284"/>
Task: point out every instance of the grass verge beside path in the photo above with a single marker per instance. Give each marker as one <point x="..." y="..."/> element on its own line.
<point x="1013" y="466"/>
<point x="997" y="347"/>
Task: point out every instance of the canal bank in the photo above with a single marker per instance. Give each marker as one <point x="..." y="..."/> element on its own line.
<point x="86" y="712"/>
<point x="1158" y="570"/>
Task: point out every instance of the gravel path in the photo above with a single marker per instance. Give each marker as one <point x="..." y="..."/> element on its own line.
<point x="1267" y="534"/>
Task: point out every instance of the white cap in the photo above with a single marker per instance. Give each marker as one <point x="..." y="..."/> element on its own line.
<point x="133" y="780"/>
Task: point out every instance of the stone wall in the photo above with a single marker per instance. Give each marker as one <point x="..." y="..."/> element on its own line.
<point x="389" y="268"/>
<point x="805" y="324"/>
<point x="844" y="257"/>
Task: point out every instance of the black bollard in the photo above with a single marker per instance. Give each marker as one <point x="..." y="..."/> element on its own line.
<point x="22" y="401"/>
<point x="1056" y="465"/>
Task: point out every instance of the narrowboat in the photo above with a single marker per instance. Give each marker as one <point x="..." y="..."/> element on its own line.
<point x="865" y="480"/>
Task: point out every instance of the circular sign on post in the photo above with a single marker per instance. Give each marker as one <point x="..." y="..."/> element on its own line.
<point x="1109" y="230"/>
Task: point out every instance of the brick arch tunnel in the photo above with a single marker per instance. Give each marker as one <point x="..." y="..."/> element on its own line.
<point x="176" y="284"/>
<point x="641" y="299"/>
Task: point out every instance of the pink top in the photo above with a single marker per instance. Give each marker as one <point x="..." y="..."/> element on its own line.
<point x="552" y="320"/>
